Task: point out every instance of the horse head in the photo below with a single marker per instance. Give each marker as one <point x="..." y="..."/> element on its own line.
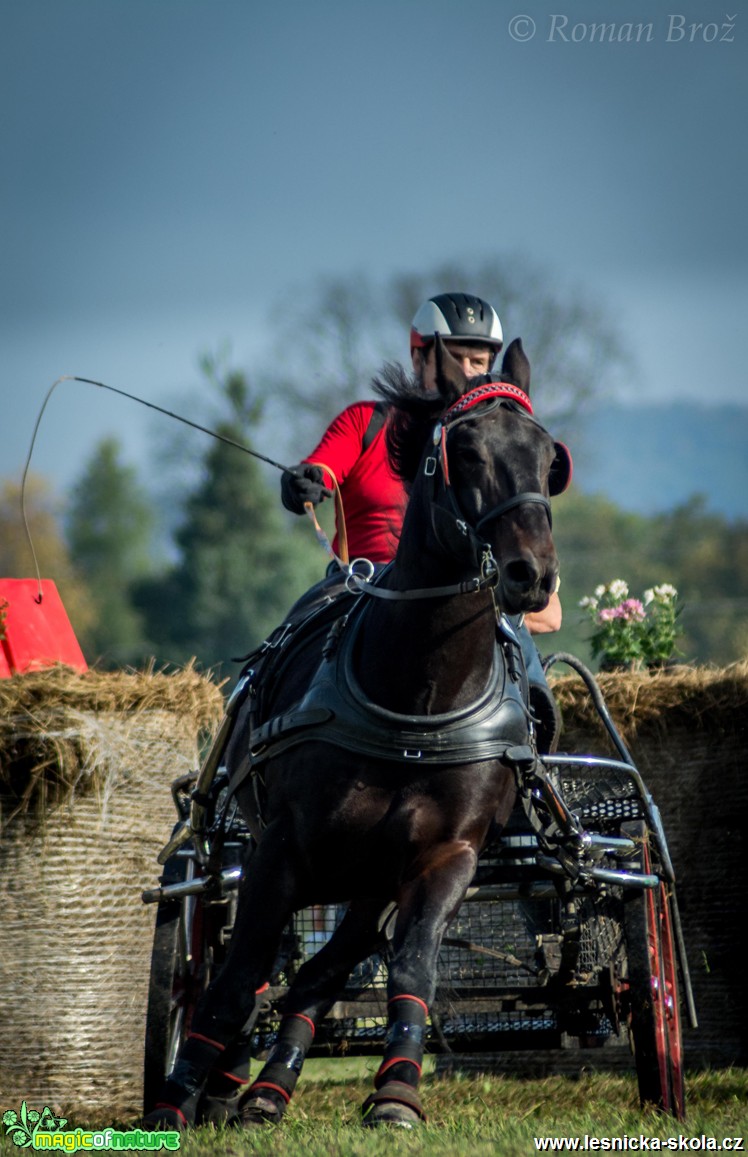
<point x="498" y="469"/>
<point x="484" y="478"/>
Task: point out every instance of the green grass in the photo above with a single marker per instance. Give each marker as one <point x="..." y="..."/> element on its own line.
<point x="471" y="1115"/>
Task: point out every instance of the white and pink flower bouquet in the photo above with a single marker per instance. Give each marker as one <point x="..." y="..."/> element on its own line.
<point x="633" y="632"/>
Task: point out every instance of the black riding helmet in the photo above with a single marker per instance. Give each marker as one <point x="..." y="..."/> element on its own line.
<point x="457" y="317"/>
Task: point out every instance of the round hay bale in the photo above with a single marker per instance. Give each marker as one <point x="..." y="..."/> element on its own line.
<point x="85" y="767"/>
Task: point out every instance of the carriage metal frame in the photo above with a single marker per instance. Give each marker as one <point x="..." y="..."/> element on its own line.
<point x="570" y="934"/>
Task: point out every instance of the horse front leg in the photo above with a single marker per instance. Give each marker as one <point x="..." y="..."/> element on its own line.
<point x="267" y="898"/>
<point x="315" y="989"/>
<point x="426" y="906"/>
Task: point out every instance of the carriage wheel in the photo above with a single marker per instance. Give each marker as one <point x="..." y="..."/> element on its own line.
<point x="183" y="954"/>
<point x="652" y="996"/>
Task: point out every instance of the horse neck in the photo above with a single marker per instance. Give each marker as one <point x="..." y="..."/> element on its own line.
<point x="431" y="655"/>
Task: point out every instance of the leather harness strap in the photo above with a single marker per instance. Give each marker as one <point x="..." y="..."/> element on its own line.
<point x="335" y="710"/>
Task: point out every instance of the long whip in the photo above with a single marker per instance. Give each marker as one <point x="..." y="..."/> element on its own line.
<point x="143" y="402"/>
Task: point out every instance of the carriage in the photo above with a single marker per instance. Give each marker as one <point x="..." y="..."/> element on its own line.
<point x="569" y="936"/>
<point x="410" y="868"/>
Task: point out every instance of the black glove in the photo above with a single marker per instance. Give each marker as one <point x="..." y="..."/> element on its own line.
<point x="295" y="491"/>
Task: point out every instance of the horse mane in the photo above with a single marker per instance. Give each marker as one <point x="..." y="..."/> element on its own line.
<point x="410" y="420"/>
<point x="412" y="414"/>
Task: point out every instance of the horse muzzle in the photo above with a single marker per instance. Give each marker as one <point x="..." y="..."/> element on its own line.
<point x="526" y="583"/>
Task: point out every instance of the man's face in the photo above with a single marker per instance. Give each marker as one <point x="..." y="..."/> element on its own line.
<point x="473" y="360"/>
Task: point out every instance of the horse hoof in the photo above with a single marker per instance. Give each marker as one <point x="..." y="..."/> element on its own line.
<point x="165" y="1117"/>
<point x="259" y="1111"/>
<point x="219" y="1110"/>
<point x="395" y="1103"/>
<point x="390" y="1113"/>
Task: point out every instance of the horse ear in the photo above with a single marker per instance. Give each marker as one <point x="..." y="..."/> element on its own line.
<point x="515" y="365"/>
<point x="450" y="379"/>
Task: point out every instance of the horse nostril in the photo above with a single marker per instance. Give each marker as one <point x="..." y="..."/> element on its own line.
<point x="521" y="573"/>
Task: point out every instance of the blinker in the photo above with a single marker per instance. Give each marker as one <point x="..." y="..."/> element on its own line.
<point x="561" y="470"/>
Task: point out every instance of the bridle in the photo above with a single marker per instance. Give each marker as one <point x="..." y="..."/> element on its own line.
<point x="497" y="393"/>
<point x="436" y="467"/>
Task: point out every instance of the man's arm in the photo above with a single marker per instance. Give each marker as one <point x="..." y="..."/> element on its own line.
<point x="547" y="620"/>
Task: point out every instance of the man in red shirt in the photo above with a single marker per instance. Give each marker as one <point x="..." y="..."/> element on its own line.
<point x="352" y="453"/>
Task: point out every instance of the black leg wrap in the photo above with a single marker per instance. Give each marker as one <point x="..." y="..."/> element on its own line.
<point x="220" y="1103"/>
<point x="277" y="1080"/>
<point x="184" y="1084"/>
<point x="403" y="1054"/>
<point x="232" y="1070"/>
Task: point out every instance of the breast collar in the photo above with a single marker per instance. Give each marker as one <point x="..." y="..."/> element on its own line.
<point x="335" y="710"/>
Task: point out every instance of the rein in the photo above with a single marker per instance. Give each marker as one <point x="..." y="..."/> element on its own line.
<point x="359" y="584"/>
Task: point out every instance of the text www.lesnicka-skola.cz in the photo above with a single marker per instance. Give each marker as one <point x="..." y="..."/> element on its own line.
<point x="641" y="1144"/>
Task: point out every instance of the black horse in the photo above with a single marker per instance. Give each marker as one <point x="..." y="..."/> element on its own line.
<point x="384" y="762"/>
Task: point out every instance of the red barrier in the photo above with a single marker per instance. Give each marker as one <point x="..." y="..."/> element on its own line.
<point x="37" y="633"/>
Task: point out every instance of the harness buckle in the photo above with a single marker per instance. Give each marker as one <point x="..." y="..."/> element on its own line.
<point x="489" y="571"/>
<point x="360" y="571"/>
<point x="277" y="638"/>
<point x="429" y="467"/>
<point x="363" y="567"/>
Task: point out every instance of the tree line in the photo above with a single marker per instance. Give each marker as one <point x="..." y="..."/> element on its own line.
<point x="239" y="560"/>
<point x="236" y="560"/>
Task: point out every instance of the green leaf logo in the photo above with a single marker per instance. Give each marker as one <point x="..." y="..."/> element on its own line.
<point x="23" y="1127"/>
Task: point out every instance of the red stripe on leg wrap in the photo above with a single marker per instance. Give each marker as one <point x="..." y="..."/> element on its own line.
<point x="301" y="1016"/>
<point x="269" y="1085"/>
<point x="206" y="1040"/>
<point x="405" y="996"/>
<point x="174" y="1109"/>
<point x="385" y="1065"/>
<point x="230" y="1077"/>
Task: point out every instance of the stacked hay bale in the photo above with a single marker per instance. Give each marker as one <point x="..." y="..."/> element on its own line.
<point x="85" y="766"/>
<point x="86" y="761"/>
<point x="687" y="730"/>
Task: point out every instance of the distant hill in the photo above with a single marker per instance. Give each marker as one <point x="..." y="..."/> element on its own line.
<point x="651" y="458"/>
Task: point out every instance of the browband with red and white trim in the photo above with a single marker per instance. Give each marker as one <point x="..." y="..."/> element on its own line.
<point x="483" y="393"/>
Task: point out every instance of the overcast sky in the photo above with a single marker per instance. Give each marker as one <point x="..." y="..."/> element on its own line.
<point x="172" y="168"/>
